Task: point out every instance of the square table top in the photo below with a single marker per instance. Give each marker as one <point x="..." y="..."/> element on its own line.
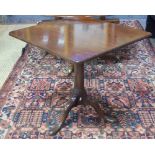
<point x="79" y="41"/>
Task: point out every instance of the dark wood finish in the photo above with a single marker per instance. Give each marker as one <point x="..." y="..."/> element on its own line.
<point x="81" y="18"/>
<point x="79" y="80"/>
<point x="115" y="21"/>
<point x="84" y="18"/>
<point x="78" y="41"/>
<point x="79" y="97"/>
<point x="74" y="17"/>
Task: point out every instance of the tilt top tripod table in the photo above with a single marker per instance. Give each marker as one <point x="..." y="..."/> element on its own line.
<point x="78" y="42"/>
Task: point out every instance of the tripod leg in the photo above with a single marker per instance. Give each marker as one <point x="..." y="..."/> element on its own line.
<point x="72" y="103"/>
<point x="100" y="112"/>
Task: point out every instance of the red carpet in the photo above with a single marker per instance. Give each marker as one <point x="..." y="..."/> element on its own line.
<point x="37" y="90"/>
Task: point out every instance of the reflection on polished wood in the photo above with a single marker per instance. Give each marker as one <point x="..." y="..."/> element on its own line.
<point x="77" y="41"/>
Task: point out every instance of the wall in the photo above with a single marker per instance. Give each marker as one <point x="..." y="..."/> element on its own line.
<point x="12" y="19"/>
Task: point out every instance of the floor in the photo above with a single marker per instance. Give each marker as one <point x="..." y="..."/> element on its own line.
<point x="10" y="48"/>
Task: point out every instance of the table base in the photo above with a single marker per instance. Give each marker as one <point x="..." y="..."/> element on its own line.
<point x="79" y="97"/>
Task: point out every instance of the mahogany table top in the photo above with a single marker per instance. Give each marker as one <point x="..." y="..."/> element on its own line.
<point x="79" y="41"/>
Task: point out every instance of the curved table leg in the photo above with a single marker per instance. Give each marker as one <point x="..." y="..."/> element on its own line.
<point x="78" y="99"/>
<point x="102" y="115"/>
<point x="95" y="106"/>
<point x="72" y="103"/>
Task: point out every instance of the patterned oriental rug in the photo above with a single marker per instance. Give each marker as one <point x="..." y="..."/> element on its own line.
<point x="37" y="91"/>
